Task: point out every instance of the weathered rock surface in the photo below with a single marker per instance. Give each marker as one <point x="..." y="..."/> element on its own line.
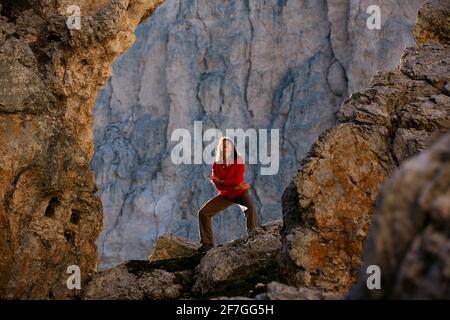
<point x="434" y="23"/>
<point x="409" y="238"/>
<point x="327" y="208"/>
<point x="237" y="266"/>
<point x="139" y="280"/>
<point x="169" y="246"/>
<point x="50" y="215"/>
<point x="231" y="64"/>
<point x="229" y="269"/>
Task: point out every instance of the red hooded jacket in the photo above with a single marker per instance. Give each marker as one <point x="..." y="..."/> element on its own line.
<point x="232" y="175"/>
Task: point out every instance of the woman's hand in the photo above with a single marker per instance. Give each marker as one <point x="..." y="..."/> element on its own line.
<point x="216" y="180"/>
<point x="242" y="186"/>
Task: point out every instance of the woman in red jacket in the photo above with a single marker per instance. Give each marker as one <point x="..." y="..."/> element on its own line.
<point x="228" y="178"/>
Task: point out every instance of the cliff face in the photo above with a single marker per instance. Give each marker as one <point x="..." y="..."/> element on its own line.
<point x="233" y="64"/>
<point x="329" y="204"/>
<point x="50" y="216"/>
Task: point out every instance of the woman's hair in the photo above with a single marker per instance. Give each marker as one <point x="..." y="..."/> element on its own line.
<point x="219" y="151"/>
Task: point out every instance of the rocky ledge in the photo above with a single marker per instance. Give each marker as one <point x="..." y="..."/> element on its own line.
<point x="176" y="271"/>
<point x="246" y="268"/>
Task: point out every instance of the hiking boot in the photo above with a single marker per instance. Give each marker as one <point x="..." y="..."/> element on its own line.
<point x="205" y="247"/>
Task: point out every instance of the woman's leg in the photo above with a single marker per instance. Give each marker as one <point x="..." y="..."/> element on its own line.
<point x="209" y="209"/>
<point x="250" y="213"/>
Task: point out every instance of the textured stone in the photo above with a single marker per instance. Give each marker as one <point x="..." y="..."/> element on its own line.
<point x="230" y="269"/>
<point x="433" y="22"/>
<point x="409" y="237"/>
<point x="238" y="266"/>
<point x="169" y="246"/>
<point x="232" y="64"/>
<point x="329" y="204"/>
<point x="120" y="284"/>
<point x="50" y="215"/>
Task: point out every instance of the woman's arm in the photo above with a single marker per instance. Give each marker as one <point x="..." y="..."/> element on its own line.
<point x="214" y="178"/>
<point x="238" y="178"/>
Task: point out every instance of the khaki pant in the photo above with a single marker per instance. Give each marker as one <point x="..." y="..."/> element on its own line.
<point x="219" y="203"/>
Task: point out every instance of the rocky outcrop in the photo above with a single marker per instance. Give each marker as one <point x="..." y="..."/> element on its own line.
<point x="327" y="208"/>
<point x="230" y="269"/>
<point x="409" y="238"/>
<point x="237" y="266"/>
<point x="231" y="64"/>
<point x="245" y="268"/>
<point x="50" y="215"/>
<point x="169" y="246"/>
<point x="138" y="280"/>
<point x="434" y="24"/>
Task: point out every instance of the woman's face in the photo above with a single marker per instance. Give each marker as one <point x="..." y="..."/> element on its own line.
<point x="227" y="148"/>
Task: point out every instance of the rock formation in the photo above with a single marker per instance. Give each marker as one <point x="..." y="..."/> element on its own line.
<point x="170" y="246"/>
<point x="231" y="269"/>
<point x="238" y="266"/>
<point x="50" y="215"/>
<point x="409" y="238"/>
<point x="137" y="280"/>
<point x="327" y="208"/>
<point x="231" y="64"/>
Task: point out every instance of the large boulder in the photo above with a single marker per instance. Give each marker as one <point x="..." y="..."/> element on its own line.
<point x="129" y="281"/>
<point x="238" y="266"/>
<point x="409" y="239"/>
<point x="328" y="206"/>
<point x="170" y="246"/>
<point x="231" y="269"/>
